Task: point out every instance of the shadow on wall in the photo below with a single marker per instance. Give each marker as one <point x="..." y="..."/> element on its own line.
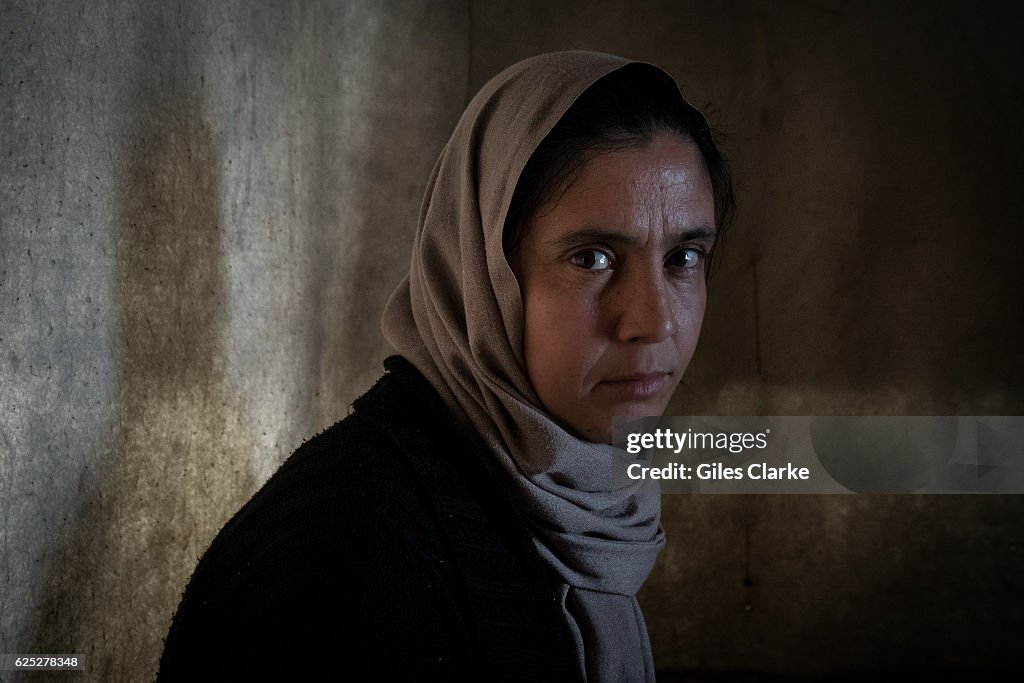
<point x="175" y="465"/>
<point x="363" y="209"/>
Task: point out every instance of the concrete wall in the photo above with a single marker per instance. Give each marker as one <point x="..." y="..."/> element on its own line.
<point x="203" y="207"/>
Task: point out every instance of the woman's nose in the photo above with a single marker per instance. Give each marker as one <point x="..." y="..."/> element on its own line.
<point x="645" y="313"/>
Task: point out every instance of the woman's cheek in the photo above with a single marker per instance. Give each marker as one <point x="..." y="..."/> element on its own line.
<point x="560" y="344"/>
<point x="689" y="319"/>
<point x="691" y="298"/>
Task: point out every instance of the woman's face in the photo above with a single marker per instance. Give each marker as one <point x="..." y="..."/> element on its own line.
<point x="612" y="279"/>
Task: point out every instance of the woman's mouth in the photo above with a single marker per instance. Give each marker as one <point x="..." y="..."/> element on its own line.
<point x="638" y="386"/>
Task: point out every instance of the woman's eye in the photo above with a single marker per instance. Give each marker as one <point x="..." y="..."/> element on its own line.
<point x="686" y="258"/>
<point x="592" y="259"/>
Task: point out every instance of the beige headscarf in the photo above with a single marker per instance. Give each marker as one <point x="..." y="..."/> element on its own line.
<point x="458" y="317"/>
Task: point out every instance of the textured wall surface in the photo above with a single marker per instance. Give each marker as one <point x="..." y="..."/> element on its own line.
<point x="873" y="269"/>
<point x="204" y="206"/>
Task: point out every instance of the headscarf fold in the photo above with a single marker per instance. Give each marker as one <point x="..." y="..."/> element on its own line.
<point x="458" y="317"/>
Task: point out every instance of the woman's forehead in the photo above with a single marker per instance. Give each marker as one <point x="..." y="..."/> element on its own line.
<point x="663" y="184"/>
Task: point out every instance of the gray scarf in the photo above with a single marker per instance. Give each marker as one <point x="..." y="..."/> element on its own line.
<point x="458" y="317"/>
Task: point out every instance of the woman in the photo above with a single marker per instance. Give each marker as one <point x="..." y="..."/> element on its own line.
<point x="463" y="523"/>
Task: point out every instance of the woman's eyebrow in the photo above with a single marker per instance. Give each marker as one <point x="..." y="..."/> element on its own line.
<point x="589" y="235"/>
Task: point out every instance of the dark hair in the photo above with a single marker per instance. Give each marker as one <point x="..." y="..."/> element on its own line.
<point x="623" y="110"/>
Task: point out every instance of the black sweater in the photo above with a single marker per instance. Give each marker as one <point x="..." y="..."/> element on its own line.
<point x="386" y="548"/>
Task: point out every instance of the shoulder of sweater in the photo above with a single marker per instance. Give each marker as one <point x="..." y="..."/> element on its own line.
<point x="361" y="460"/>
<point x="349" y="486"/>
<point x="345" y="486"/>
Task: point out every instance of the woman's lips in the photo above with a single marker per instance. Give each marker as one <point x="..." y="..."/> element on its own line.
<point x="637" y="386"/>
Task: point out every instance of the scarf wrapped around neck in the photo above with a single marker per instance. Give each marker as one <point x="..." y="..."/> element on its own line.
<point x="458" y="317"/>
